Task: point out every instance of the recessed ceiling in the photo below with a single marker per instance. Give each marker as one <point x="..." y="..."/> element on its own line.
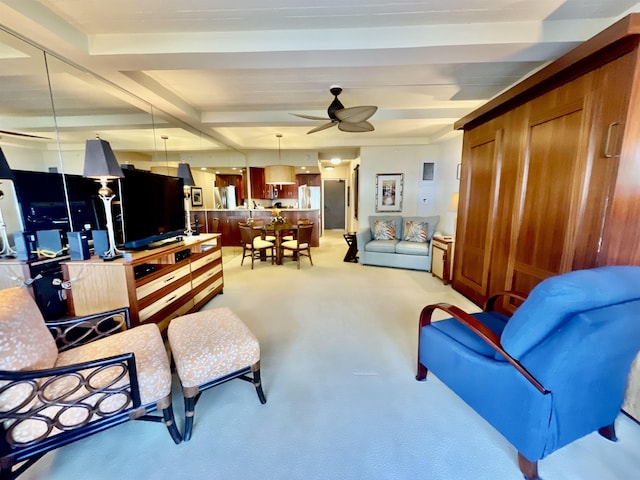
<point x="232" y="73"/>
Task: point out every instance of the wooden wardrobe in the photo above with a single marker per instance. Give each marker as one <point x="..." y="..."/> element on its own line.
<point x="550" y="178"/>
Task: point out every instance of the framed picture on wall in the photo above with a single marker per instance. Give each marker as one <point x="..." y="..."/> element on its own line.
<point x="196" y="197"/>
<point x="389" y="192"/>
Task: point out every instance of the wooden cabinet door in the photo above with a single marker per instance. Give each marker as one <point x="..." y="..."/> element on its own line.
<point x="480" y="175"/>
<point x="552" y="190"/>
<point x="256" y="175"/>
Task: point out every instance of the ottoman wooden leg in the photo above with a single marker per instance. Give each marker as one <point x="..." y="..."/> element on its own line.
<point x="189" y="412"/>
<point x="257" y="382"/>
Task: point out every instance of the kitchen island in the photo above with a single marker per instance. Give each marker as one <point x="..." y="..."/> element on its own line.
<point x="228" y="220"/>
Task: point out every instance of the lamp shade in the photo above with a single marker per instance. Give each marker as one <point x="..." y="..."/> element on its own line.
<point x="5" y="170"/>
<point x="184" y="172"/>
<point x="280" y="175"/>
<point x="99" y="160"/>
<point x="453" y="206"/>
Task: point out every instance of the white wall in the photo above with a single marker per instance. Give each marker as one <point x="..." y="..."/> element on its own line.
<point x="420" y="197"/>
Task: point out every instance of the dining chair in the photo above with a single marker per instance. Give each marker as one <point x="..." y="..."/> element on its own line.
<point x="253" y="245"/>
<point x="292" y="235"/>
<point x="259" y="224"/>
<point x="301" y="245"/>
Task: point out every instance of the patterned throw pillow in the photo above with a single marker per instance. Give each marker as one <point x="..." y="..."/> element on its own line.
<point x="415" y="231"/>
<point x="384" y="230"/>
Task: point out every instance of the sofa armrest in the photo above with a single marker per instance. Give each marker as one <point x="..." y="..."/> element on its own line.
<point x="363" y="237"/>
<point x="75" y="331"/>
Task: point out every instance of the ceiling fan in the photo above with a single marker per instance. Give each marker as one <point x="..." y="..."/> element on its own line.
<point x="353" y="119"/>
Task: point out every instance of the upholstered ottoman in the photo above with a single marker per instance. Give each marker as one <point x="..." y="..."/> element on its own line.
<point x="211" y="347"/>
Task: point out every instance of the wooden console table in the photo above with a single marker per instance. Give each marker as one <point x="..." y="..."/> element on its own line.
<point x="157" y="285"/>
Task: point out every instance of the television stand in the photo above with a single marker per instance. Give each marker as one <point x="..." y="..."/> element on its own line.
<point x="157" y="285"/>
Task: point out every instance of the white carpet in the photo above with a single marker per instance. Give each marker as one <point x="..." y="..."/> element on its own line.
<point x="338" y="345"/>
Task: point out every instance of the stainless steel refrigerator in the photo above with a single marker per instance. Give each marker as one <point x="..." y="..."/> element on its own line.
<point x="309" y="197"/>
<point x="224" y="197"/>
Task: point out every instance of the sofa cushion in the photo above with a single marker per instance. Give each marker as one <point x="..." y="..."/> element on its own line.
<point x="412" y="248"/>
<point x="415" y="231"/>
<point x="384" y="230"/>
<point x="432" y="223"/>
<point x="381" y="246"/>
<point x="396" y="219"/>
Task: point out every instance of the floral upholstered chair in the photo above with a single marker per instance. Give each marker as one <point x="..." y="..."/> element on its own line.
<point x="93" y="375"/>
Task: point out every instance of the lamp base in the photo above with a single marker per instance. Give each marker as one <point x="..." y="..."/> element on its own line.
<point x="109" y="258"/>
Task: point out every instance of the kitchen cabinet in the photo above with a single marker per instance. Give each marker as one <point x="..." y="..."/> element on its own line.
<point x="259" y="189"/>
<point x="550" y="175"/>
<point x="309" y="179"/>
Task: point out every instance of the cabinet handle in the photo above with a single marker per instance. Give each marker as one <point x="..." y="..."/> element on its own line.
<point x="170" y="279"/>
<point x="169" y="300"/>
<point x="608" y="141"/>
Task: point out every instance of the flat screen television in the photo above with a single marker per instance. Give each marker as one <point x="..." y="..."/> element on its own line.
<point x="43" y="205"/>
<point x="152" y="209"/>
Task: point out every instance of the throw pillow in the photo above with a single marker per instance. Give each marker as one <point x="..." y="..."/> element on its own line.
<point x="415" y="231"/>
<point x="384" y="230"/>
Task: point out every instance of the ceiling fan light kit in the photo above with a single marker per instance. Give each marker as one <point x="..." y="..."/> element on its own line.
<point x="353" y="119"/>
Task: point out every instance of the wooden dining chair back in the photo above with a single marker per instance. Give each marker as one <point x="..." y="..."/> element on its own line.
<point x="292" y="235"/>
<point x="253" y="245"/>
<point x="259" y="224"/>
<point x="301" y="245"/>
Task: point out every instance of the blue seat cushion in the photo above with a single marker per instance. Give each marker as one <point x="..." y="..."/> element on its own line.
<point x="382" y="246"/>
<point x="464" y="335"/>
<point x="412" y="248"/>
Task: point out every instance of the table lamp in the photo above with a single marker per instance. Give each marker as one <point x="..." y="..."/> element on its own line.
<point x="5" y="174"/>
<point x="100" y="163"/>
<point x="184" y="172"/>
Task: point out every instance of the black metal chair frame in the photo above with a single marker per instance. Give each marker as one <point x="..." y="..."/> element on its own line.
<point x="16" y="458"/>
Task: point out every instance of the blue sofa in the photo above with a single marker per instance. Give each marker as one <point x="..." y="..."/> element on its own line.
<point x="407" y="243"/>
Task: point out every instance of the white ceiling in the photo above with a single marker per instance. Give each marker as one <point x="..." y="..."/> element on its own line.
<point x="236" y="70"/>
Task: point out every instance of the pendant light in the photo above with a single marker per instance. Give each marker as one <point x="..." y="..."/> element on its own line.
<point x="279" y="174"/>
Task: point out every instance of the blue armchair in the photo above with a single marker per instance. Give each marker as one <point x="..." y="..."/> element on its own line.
<point x="553" y="372"/>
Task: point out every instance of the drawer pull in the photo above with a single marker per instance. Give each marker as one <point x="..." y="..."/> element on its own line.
<point x="170" y="279"/>
<point x="171" y="299"/>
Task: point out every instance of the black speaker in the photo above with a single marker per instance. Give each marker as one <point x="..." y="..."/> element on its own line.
<point x="26" y="245"/>
<point x="49" y="242"/>
<point x="100" y="242"/>
<point x="78" y="245"/>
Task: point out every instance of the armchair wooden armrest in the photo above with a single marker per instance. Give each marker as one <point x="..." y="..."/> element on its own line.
<point x="490" y="304"/>
<point x="75" y="331"/>
<point x="481" y="330"/>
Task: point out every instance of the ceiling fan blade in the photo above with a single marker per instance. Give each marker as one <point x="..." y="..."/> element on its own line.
<point x="356" y="127"/>
<point x="309" y="117"/>
<point x="323" y="127"/>
<point x="18" y="134"/>
<point x="356" y="114"/>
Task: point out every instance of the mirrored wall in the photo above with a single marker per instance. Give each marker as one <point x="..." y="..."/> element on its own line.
<point x="49" y="108"/>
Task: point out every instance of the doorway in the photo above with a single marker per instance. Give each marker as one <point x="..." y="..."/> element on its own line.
<point x="334" y="204"/>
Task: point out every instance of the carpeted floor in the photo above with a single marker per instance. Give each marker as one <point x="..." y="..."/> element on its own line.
<point x="338" y="344"/>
